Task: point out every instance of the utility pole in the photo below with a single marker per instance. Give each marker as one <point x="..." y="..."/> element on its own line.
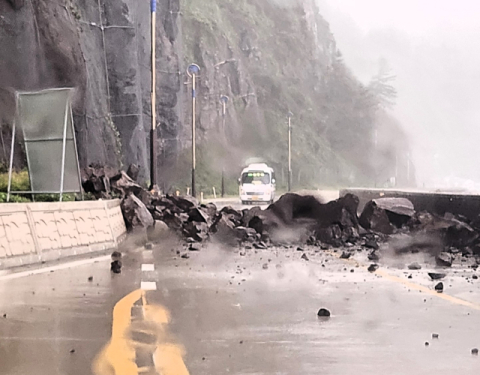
<point x="289" y="185"/>
<point x="192" y="71"/>
<point x="153" y="132"/>
<point x="224" y="100"/>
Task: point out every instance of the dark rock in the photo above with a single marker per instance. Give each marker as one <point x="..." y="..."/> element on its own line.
<point x="436" y="276"/>
<point x="210" y="209"/>
<point x="371" y="244"/>
<point x="194" y="247"/>
<point x="256" y="223"/>
<point x="173" y="220"/>
<point x="414" y="266"/>
<point x="133" y="171"/>
<point x="136" y="213"/>
<point x="265" y="266"/>
<point x="90" y="278"/>
<point x="474" y="277"/>
<point x="305" y="257"/>
<point x="123" y="185"/>
<point x="245" y="234"/>
<point x="300" y="249"/>
<point x="345" y="255"/>
<point x="444" y="259"/>
<point x="439" y="287"/>
<point x="323" y="313"/>
<point x="260" y="245"/>
<point x="372" y="267"/>
<point x="116" y="266"/>
<point x="427" y="343"/>
<point x="373" y="256"/>
<point x="197" y="214"/>
<point x="116" y="255"/>
<point x="72" y="350"/>
<point x="185" y="256"/>
<point x="383" y="215"/>
<point x="185" y="203"/>
<point x="197" y="231"/>
<point x="435" y="335"/>
<point x="475" y="351"/>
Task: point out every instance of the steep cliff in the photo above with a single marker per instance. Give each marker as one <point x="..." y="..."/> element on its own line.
<point x="268" y="56"/>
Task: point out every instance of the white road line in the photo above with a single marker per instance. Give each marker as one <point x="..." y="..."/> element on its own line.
<point x="148" y="267"/>
<point x="148" y="285"/>
<point x="63" y="266"/>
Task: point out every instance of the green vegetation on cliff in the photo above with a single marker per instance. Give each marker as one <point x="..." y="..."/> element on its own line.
<point x="271" y="58"/>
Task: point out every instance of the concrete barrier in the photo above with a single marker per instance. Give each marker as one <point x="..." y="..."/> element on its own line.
<point x="439" y="203"/>
<point x="37" y="232"/>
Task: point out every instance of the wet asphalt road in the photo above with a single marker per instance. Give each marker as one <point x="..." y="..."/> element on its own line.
<point x="252" y="313"/>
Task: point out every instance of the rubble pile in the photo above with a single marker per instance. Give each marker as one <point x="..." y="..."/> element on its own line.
<point x="292" y="219"/>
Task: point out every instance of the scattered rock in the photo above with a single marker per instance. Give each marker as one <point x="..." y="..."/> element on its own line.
<point x="373" y="256"/>
<point x="373" y="267"/>
<point x="427" y="343"/>
<point x="116" y="255"/>
<point x="371" y="244"/>
<point x="300" y="249"/>
<point x="323" y="313"/>
<point x="194" y="247"/>
<point x="439" y="287"/>
<point x="444" y="259"/>
<point x="435" y="335"/>
<point x="185" y="256"/>
<point x="116" y="266"/>
<point x="475" y="351"/>
<point x="414" y="266"/>
<point x="304" y="257"/>
<point x="72" y="350"/>
<point x="345" y="255"/>
<point x="90" y="278"/>
<point x="4" y="315"/>
<point x="436" y="275"/>
<point x="149" y="246"/>
<point x="265" y="266"/>
<point x="260" y="245"/>
<point x="475" y="277"/>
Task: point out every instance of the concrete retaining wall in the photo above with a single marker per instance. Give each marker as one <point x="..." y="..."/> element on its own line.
<point x="36" y="232"/>
<point x="467" y="205"/>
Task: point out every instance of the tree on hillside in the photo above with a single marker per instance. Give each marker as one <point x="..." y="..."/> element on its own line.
<point x="381" y="86"/>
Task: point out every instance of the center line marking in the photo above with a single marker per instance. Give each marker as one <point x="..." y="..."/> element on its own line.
<point x="148" y="285"/>
<point x="148" y="267"/>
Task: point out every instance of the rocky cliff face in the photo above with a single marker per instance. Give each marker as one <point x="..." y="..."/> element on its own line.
<point x="102" y="49"/>
<point x="268" y="56"/>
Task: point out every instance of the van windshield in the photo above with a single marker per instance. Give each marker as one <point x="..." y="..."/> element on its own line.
<point x="256" y="177"/>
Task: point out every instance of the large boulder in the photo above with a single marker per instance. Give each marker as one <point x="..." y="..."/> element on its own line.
<point x="136" y="213"/>
<point x="123" y="185"/>
<point x="384" y="215"/>
<point x="184" y="203"/>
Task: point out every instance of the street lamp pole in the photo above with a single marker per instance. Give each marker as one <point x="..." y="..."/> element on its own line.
<point x="224" y="100"/>
<point x="153" y="131"/>
<point x="290" y="114"/>
<point x="192" y="71"/>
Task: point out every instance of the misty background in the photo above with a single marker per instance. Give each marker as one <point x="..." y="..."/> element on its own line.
<point x="431" y="47"/>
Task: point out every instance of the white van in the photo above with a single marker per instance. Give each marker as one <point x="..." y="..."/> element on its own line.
<point x="257" y="184"/>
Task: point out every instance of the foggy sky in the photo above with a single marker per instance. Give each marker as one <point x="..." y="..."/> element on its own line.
<point x="433" y="47"/>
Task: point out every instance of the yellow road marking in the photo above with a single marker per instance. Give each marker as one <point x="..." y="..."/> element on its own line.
<point x="118" y="356"/>
<point x="411" y="285"/>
